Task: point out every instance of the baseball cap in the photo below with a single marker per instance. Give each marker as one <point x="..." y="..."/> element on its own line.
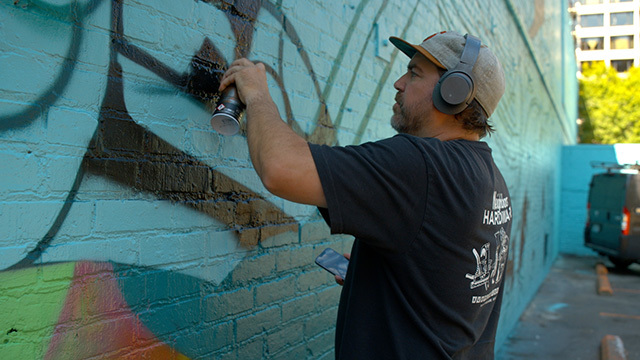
<point x="444" y="49"/>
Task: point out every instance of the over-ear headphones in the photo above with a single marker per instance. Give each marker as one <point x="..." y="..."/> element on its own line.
<point x="456" y="90"/>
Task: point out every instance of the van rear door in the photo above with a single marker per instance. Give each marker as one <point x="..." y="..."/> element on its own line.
<point x="633" y="205"/>
<point x="606" y="200"/>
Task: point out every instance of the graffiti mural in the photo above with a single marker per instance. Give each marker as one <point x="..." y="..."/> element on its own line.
<point x="116" y="149"/>
<point x="130" y="229"/>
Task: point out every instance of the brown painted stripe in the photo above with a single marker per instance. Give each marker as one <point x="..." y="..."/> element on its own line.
<point x="634" y="317"/>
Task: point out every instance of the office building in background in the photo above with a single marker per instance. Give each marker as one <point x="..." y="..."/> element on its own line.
<point x="607" y="31"/>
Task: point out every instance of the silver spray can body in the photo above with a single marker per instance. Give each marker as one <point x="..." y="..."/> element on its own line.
<point x="226" y="117"/>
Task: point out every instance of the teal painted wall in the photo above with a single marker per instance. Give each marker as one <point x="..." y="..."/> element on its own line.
<point x="129" y="228"/>
<point x="576" y="176"/>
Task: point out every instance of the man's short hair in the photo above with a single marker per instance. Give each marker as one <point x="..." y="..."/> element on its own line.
<point x="475" y="119"/>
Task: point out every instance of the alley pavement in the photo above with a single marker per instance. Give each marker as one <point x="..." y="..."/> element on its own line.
<point x="568" y="319"/>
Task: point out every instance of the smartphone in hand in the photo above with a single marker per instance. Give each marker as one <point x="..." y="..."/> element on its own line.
<point x="333" y="262"/>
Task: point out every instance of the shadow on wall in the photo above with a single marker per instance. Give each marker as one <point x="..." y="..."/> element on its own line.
<point x="577" y="171"/>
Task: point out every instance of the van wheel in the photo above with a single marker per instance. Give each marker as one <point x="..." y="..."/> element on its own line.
<point x="620" y="263"/>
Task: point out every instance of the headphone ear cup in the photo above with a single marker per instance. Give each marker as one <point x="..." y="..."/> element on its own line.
<point x="452" y="93"/>
<point x="455" y="89"/>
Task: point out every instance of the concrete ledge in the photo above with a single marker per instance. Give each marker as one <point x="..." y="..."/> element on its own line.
<point x="603" y="285"/>
<point x="611" y="348"/>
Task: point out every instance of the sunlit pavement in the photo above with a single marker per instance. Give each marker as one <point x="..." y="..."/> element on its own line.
<point x="568" y="319"/>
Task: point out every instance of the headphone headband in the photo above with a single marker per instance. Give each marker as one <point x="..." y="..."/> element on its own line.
<point x="470" y="52"/>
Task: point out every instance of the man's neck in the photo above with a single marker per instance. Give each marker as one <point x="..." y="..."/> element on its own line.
<point x="449" y="134"/>
<point x="466" y="136"/>
<point x="445" y="127"/>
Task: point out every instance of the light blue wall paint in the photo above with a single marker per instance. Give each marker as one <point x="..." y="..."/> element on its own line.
<point x="170" y="200"/>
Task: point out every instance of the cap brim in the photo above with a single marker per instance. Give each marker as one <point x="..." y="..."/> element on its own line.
<point x="410" y="50"/>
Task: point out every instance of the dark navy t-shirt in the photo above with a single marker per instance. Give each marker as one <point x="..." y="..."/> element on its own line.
<point x="432" y="221"/>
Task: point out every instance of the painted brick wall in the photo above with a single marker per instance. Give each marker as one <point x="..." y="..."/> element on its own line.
<point x="128" y="228"/>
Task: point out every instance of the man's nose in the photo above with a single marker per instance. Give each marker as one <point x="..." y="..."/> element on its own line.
<point x="399" y="84"/>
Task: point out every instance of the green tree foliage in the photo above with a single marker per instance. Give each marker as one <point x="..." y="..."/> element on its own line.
<point x="609" y="105"/>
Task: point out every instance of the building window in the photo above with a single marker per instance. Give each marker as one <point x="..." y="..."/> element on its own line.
<point x="592" y="20"/>
<point x="619" y="1"/>
<point x="622" y="65"/>
<point x="622" y="18"/>
<point x="622" y="42"/>
<point x="591" y="2"/>
<point x="585" y="64"/>
<point x="596" y="43"/>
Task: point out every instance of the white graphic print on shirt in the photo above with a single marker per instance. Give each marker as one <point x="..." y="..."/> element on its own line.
<point x="490" y="269"/>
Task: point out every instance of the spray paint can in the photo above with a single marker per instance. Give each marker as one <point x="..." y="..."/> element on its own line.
<point x="229" y="111"/>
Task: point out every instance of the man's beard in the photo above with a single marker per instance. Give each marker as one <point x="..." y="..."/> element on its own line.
<point x="403" y="121"/>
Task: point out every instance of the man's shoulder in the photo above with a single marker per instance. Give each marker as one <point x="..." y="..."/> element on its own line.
<point x="434" y="146"/>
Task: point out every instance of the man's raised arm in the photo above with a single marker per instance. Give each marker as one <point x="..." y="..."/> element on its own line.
<point x="281" y="157"/>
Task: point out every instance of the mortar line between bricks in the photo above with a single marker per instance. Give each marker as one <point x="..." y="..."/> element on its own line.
<point x="383" y="79"/>
<point x="527" y="42"/>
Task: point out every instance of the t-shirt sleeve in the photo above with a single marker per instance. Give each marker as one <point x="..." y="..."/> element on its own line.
<point x="374" y="191"/>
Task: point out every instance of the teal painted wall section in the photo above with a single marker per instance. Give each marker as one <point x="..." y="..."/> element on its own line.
<point x="128" y="228"/>
<point x="576" y="176"/>
<point x="539" y="118"/>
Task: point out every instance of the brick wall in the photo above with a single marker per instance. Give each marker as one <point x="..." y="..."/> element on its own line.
<point x="129" y="228"/>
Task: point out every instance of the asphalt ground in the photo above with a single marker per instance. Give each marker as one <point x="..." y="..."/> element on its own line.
<point x="568" y="318"/>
